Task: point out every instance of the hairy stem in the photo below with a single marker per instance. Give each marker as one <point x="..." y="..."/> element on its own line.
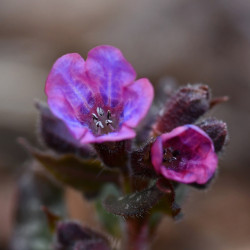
<point x="137" y="234"/>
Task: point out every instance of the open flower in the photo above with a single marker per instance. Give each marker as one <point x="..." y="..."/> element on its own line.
<point x="98" y="99"/>
<point x="186" y="155"/>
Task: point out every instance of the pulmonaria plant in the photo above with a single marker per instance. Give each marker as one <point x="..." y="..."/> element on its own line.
<point x="91" y="124"/>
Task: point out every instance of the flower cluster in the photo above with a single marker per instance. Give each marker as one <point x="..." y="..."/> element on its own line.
<point x="100" y="101"/>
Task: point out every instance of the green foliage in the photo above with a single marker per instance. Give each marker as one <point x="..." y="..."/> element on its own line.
<point x="110" y="222"/>
<point x="135" y="204"/>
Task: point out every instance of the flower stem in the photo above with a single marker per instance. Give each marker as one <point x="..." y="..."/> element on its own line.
<point x="137" y="234"/>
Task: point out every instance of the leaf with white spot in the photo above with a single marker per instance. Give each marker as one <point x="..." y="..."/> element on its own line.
<point x="135" y="204"/>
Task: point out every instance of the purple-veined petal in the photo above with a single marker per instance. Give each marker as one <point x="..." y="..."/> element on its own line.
<point x="138" y="98"/>
<point x="108" y="71"/>
<point x="122" y="134"/>
<point x="67" y="89"/>
<point x="197" y="160"/>
<point x="98" y="99"/>
<point x="156" y="154"/>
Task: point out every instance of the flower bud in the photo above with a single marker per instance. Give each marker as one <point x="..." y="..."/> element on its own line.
<point x="184" y="107"/>
<point x="217" y="131"/>
<point x="185" y="155"/>
<point x="71" y="235"/>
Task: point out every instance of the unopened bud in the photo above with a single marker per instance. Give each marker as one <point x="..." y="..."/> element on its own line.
<point x="71" y="234"/>
<point x="185" y="106"/>
<point x="217" y="131"/>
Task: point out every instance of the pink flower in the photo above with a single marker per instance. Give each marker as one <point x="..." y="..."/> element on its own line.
<point x="186" y="155"/>
<point x="98" y="99"/>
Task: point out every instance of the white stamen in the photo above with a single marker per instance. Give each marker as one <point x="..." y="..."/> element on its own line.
<point x="100" y="111"/>
<point x="108" y="122"/>
<point x="172" y="159"/>
<point x="99" y="124"/>
<point x="94" y="116"/>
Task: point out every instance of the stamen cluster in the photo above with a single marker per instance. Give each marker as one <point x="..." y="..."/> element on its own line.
<point x="100" y="119"/>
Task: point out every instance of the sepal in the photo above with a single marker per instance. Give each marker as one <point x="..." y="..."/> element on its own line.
<point x="114" y="154"/>
<point x="217" y="131"/>
<point x="55" y="134"/>
<point x="141" y="164"/>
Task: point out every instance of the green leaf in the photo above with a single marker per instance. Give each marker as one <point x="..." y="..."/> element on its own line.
<point x="34" y="190"/>
<point x="135" y="204"/>
<point x="87" y="176"/>
<point x="110" y="222"/>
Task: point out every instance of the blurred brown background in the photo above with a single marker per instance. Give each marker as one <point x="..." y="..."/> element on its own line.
<point x="191" y="41"/>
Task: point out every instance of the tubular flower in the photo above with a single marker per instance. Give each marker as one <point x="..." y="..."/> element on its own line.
<point x="98" y="99"/>
<point x="186" y="155"/>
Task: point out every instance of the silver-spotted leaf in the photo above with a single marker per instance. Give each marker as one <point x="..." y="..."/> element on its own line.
<point x="135" y="204"/>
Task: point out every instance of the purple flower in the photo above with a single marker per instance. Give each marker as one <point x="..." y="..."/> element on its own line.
<point x="98" y="99"/>
<point x="186" y="155"/>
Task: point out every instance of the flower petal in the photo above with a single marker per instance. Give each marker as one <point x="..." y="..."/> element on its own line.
<point x="157" y="154"/>
<point x="109" y="71"/>
<point x="67" y="89"/>
<point x="122" y="134"/>
<point x="198" y="159"/>
<point x="138" y="97"/>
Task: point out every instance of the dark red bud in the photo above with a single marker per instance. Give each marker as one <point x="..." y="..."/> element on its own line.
<point x="217" y="131"/>
<point x="71" y="234"/>
<point x="185" y="106"/>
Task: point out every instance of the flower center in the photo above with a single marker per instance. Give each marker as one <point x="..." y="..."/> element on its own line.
<point x="171" y="158"/>
<point x="102" y="122"/>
